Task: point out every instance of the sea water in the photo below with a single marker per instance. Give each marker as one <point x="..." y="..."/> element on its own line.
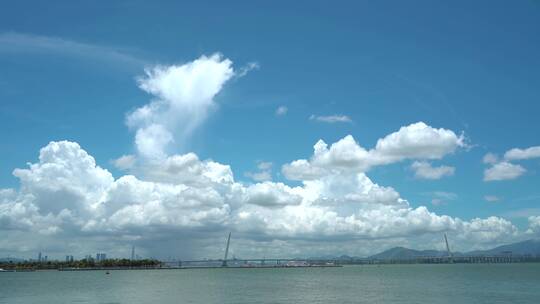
<point x="457" y="283"/>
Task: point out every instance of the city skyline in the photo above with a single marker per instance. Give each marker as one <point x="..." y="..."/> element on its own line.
<point x="336" y="133"/>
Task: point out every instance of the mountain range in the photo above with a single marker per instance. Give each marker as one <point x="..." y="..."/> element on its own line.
<point x="529" y="247"/>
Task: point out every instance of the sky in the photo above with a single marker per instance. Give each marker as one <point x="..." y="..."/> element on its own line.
<point x="306" y="128"/>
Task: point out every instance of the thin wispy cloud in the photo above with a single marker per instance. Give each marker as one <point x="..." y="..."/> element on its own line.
<point x="13" y="42"/>
<point x="331" y="118"/>
<point x="424" y="170"/>
<point x="534" y="197"/>
<point x="281" y="111"/>
<point x="522" y="213"/>
<point x="441" y="198"/>
<point x="250" y="66"/>
<point x="264" y="173"/>
<point x="124" y="162"/>
<point x="491" y="198"/>
<point x="490" y="158"/>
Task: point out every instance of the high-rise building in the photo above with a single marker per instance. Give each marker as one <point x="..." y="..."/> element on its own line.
<point x="39" y="257"/>
<point x="101" y="257"/>
<point x="132" y="253"/>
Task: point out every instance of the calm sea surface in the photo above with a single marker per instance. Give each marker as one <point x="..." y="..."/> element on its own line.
<point x="495" y="283"/>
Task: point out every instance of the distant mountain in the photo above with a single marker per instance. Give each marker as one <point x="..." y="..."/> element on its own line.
<point x="333" y="257"/>
<point x="529" y="247"/>
<point x="402" y="253"/>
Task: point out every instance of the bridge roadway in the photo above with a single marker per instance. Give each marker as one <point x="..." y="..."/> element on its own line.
<point x="258" y="262"/>
<point x="450" y="260"/>
<point x="414" y="260"/>
<point x="248" y="260"/>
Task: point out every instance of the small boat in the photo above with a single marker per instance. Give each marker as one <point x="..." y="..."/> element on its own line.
<point x="6" y="270"/>
<point x="107" y="272"/>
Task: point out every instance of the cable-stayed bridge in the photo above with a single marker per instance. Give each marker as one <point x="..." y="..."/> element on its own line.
<point x="449" y="258"/>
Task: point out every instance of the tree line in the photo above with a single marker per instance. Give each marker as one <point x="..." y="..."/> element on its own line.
<point x="84" y="263"/>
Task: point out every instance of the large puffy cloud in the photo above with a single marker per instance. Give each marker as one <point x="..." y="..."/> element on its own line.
<point x="342" y="189"/>
<point x="183" y="97"/>
<point x="489" y="230"/>
<point x="187" y="169"/>
<point x="534" y="225"/>
<point x="13" y="214"/>
<point x="268" y="194"/>
<point x="132" y="204"/>
<point x="65" y="178"/>
<point x="415" y="141"/>
<point x="66" y="195"/>
<point x="324" y="222"/>
<point x="67" y="192"/>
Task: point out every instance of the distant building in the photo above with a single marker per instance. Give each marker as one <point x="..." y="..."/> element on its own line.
<point x="69" y="258"/>
<point x="101" y="257"/>
<point x="39" y="257"/>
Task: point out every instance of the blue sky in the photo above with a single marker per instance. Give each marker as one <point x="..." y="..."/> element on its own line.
<point x="69" y="70"/>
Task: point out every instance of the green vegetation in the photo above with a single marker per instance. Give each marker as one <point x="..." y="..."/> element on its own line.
<point x="84" y="263"/>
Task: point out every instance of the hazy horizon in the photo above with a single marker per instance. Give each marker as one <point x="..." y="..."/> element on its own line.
<point x="305" y="129"/>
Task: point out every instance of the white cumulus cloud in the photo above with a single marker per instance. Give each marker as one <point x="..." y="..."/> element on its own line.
<point x="415" y="141"/>
<point x="519" y="154"/>
<point x="183" y="99"/>
<point x="264" y="173"/>
<point x="66" y="198"/>
<point x="534" y="225"/>
<point x="503" y="171"/>
<point x="65" y="178"/>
